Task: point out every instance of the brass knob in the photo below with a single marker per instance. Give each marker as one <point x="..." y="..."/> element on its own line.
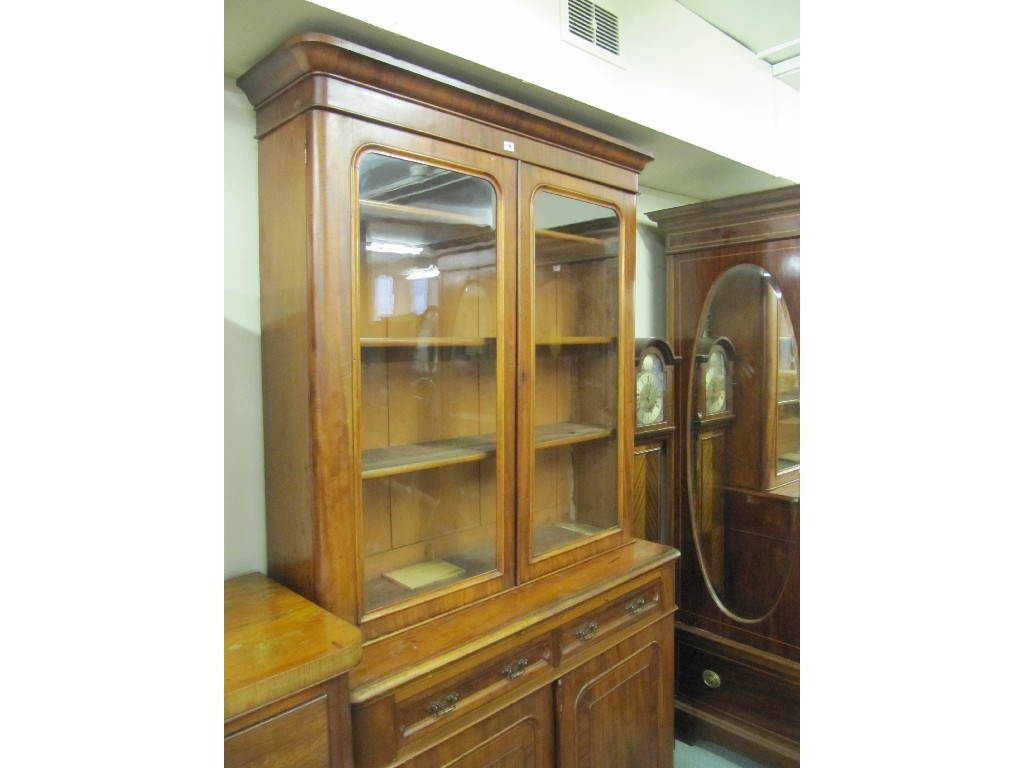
<point x="711" y="678"/>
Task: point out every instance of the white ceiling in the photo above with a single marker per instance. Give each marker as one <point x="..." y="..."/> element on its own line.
<point x="252" y="28"/>
<point x="768" y="28"/>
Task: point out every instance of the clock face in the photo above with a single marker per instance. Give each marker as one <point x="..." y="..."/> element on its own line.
<point x="714" y="382"/>
<point x="650" y="391"/>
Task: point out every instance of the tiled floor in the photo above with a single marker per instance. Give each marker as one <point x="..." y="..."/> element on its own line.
<point x="706" y="755"/>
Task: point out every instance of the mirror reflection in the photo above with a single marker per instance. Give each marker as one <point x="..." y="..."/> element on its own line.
<point x="744" y="447"/>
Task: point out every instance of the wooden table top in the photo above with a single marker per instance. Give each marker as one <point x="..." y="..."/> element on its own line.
<point x="277" y="643"/>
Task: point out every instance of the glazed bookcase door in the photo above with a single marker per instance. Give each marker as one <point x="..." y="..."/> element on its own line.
<point x="434" y="271"/>
<point x="576" y="355"/>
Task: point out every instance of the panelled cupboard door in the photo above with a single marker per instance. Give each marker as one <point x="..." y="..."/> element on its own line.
<point x="519" y="736"/>
<point x="650" y="493"/>
<point x="615" y="711"/>
<point x="434" y="295"/>
<point x="575" y="369"/>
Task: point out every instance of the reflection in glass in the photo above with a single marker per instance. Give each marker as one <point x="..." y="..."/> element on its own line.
<point x="427" y="277"/>
<point x="744" y="469"/>
<point x="575" y="398"/>
<point x="787" y="398"/>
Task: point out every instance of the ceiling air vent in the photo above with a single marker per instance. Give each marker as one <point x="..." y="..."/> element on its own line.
<point x="597" y="26"/>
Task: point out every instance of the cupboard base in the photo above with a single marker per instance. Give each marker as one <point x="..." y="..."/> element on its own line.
<point x="592" y="642"/>
<point x="745" y="700"/>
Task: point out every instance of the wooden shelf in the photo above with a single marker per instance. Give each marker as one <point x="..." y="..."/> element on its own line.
<point x="546" y="257"/>
<point x="573" y="340"/>
<point x="415" y="213"/>
<point x="558" y="535"/>
<point x="587" y="243"/>
<point x="399" y="459"/>
<point x="428" y="341"/>
<point x="568" y="433"/>
<point x="571" y="237"/>
<point x="444" y="234"/>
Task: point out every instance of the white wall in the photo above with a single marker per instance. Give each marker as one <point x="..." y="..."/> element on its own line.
<point x="679" y="75"/>
<point x="244" y="511"/>
<point x="649" y="293"/>
<point x="245" y="540"/>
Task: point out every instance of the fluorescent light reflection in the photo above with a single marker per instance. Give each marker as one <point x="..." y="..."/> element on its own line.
<point x="399" y="248"/>
<point x="383" y="297"/>
<point x="422" y="273"/>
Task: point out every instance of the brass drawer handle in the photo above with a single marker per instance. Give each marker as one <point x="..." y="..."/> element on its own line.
<point x="444" y="705"/>
<point x="516" y="669"/>
<point x="587" y="631"/>
<point x="711" y="678"/>
<point x="633" y="607"/>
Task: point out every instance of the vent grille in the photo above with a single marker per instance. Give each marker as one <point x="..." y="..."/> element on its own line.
<point x="594" y="24"/>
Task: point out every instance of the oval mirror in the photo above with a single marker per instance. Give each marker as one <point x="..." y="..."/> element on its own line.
<point x="743" y="455"/>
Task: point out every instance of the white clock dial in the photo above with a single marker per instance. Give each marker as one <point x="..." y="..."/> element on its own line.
<point x="650" y="392"/>
<point x="714" y="382"/>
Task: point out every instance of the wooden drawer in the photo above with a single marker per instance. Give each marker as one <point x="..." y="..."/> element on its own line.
<point x="454" y="694"/>
<point x="611" y="617"/>
<point x="730" y="684"/>
<point x="297" y="738"/>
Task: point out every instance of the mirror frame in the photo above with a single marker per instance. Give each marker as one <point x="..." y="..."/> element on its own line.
<point x="696" y="426"/>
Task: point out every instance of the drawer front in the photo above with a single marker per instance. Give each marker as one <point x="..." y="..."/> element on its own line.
<point x="297" y="738"/>
<point x="459" y="693"/>
<point x="611" y="617"/>
<point x="739" y="690"/>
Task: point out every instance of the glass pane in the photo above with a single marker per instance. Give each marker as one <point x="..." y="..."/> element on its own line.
<point x="428" y="363"/>
<point x="787" y="439"/>
<point x="576" y="397"/>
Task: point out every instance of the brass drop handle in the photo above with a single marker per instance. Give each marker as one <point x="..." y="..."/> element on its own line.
<point x="711" y="678"/>
<point x="516" y="669"/>
<point x="633" y="607"/>
<point x="587" y="631"/>
<point x="444" y="705"/>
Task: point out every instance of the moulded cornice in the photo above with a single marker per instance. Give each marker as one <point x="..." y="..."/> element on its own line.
<point x="313" y="54"/>
<point x="756" y="217"/>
